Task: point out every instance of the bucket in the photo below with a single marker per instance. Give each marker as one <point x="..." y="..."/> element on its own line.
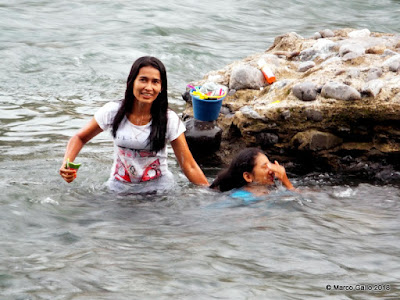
<point x="206" y="109"/>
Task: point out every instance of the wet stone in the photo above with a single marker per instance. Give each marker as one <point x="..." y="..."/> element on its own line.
<point x="307" y="54"/>
<point x="305" y="66"/>
<point x="246" y="77"/>
<point x="305" y="91"/>
<point x="340" y="91"/>
<point x="327" y="33"/>
<point x="393" y="63"/>
<point x="315" y="140"/>
<point x="314" y="115"/>
<point x="202" y="137"/>
<point x="266" y="139"/>
<point x="363" y="33"/>
<point x="351" y="50"/>
<point x="374" y="73"/>
<point x="373" y="87"/>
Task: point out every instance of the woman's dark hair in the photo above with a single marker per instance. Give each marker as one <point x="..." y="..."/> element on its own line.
<point x="232" y="177"/>
<point x="158" y="108"/>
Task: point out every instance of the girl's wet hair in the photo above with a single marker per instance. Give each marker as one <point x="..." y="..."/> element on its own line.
<point x="232" y="177"/>
<point x="159" y="106"/>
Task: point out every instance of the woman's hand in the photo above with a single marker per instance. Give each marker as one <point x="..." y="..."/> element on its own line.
<point x="67" y="174"/>
<point x="75" y="145"/>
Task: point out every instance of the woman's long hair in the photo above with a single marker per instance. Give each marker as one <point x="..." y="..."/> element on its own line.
<point x="232" y="177"/>
<point x="158" y="108"/>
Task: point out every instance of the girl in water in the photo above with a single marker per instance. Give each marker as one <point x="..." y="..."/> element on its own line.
<point x="251" y="174"/>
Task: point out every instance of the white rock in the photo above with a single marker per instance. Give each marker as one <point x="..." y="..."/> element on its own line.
<point x="249" y="112"/>
<point x="246" y="77"/>
<point x="326" y="33"/>
<point x="374" y="73"/>
<point x="373" y="87"/>
<point x="317" y="35"/>
<point x="351" y="48"/>
<point x="363" y="33"/>
<point x="324" y="45"/>
<point x="393" y="63"/>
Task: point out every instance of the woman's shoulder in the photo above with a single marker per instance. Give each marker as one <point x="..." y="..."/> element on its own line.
<point x="105" y="114"/>
<point x="173" y="118"/>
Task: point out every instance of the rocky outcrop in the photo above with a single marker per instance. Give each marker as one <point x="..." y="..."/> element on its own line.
<point x="335" y="105"/>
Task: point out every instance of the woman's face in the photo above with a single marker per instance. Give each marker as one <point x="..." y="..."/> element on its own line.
<point x="147" y="85"/>
<point x="262" y="174"/>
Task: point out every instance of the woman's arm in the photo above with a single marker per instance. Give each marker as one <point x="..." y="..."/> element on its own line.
<point x="186" y="161"/>
<point x="75" y="145"/>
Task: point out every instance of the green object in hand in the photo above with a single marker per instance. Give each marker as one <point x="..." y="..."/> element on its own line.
<point x="71" y="165"/>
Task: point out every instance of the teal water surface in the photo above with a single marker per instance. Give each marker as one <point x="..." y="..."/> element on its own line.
<point x="62" y="60"/>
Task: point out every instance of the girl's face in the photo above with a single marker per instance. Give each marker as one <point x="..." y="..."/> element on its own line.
<point x="147" y="85"/>
<point x="262" y="174"/>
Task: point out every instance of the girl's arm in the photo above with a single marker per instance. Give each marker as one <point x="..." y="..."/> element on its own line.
<point x="186" y="161"/>
<point x="75" y="145"/>
<point x="280" y="173"/>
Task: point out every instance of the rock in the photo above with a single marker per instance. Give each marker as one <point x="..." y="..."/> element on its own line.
<point x="300" y="119"/>
<point x="246" y="77"/>
<point x="353" y="73"/>
<point x="286" y="42"/>
<point x="375" y="50"/>
<point x="317" y="35"/>
<point x="305" y="66"/>
<point x="314" y="115"/>
<point x="363" y="33"/>
<point x="373" y="87"/>
<point x="203" y="138"/>
<point x="331" y="60"/>
<point x="396" y="98"/>
<point x="351" y="49"/>
<point x="305" y="91"/>
<point x="374" y="73"/>
<point x="393" y="63"/>
<point x="285" y="114"/>
<point x="307" y="54"/>
<point x="225" y="110"/>
<point x="340" y="91"/>
<point x="186" y="96"/>
<point x="389" y="52"/>
<point x="324" y="45"/>
<point x="266" y="139"/>
<point x="249" y="112"/>
<point x="314" y="140"/>
<point x="326" y="33"/>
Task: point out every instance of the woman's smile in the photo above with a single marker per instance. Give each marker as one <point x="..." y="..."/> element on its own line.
<point x="147" y="85"/>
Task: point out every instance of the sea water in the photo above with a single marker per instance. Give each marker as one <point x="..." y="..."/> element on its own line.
<point x="62" y="60"/>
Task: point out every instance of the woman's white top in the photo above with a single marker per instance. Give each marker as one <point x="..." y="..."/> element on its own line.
<point x="133" y="160"/>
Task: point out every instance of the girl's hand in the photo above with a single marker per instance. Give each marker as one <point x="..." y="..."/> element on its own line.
<point x="67" y="174"/>
<point x="280" y="173"/>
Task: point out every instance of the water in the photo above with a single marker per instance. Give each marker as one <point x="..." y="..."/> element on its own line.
<point x="61" y="60"/>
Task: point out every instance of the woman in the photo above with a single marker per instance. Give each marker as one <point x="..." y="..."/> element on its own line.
<point x="141" y="124"/>
<point x="252" y="173"/>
